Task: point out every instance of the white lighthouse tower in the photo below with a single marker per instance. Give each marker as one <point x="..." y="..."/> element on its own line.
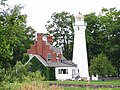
<point x="79" y="49"/>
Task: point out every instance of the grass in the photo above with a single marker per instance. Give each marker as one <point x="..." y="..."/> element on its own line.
<point x="107" y="82"/>
<point x="39" y="86"/>
<point x="72" y="88"/>
<point x="43" y="85"/>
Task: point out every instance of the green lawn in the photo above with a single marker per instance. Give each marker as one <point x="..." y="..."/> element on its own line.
<point x="45" y="85"/>
<point x="107" y="82"/>
<point x="71" y="88"/>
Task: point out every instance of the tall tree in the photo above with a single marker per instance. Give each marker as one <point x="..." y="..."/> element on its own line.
<point x="110" y="22"/>
<point x="60" y="26"/>
<point x="15" y="36"/>
<point x="93" y="36"/>
<point x="103" y="35"/>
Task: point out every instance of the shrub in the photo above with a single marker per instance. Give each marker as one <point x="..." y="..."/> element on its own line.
<point x="102" y="66"/>
<point x="35" y="76"/>
<point x="19" y="73"/>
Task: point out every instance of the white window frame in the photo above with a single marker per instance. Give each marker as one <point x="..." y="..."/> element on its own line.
<point x="49" y="57"/>
<point x="62" y="71"/>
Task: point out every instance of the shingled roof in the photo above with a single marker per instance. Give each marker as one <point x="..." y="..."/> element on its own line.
<point x="64" y="63"/>
<point x="56" y="50"/>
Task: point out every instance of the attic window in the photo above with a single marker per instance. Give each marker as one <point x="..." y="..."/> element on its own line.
<point x="49" y="56"/>
<point x="57" y="57"/>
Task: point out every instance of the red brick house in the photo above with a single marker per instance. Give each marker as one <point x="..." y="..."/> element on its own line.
<point x="50" y="56"/>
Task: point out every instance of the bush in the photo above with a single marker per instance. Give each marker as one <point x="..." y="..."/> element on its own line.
<point x="35" y="76"/>
<point x="2" y="75"/>
<point x="13" y="77"/>
<point x="102" y="66"/>
<point x="21" y="73"/>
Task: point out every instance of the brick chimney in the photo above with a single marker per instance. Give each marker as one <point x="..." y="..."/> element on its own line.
<point x="49" y="39"/>
<point x="39" y="43"/>
<point x="39" y="35"/>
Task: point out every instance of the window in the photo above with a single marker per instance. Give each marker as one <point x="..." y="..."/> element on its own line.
<point x="78" y="28"/>
<point x="49" y="56"/>
<point x="62" y="71"/>
<point x="59" y="71"/>
<point x="73" y="71"/>
<point x="79" y="18"/>
<point x="57" y="57"/>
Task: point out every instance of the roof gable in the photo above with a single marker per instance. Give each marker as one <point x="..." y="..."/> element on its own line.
<point x="39" y="58"/>
<point x="52" y="64"/>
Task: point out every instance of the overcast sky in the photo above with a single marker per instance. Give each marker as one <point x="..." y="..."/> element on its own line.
<point x="39" y="11"/>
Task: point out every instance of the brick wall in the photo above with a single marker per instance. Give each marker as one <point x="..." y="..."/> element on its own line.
<point x="41" y="48"/>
